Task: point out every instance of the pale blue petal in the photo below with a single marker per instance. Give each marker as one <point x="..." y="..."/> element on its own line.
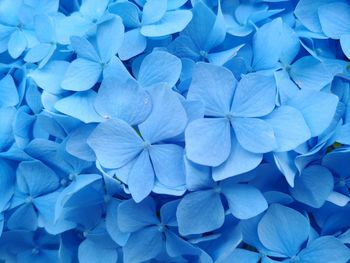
<point x="172" y="22"/>
<point x="291" y="45"/>
<point x="81" y="75"/>
<point x="128" y="11"/>
<point x="126" y="101"/>
<point x="17" y="44"/>
<point x="345" y="44"/>
<point x="134" y="44"/>
<point x="198" y="177"/>
<point x="24" y="218"/>
<point x="208" y="141"/>
<point x="254" y="135"/>
<point x="90" y="252"/>
<point x="7" y="183"/>
<point x="159" y="66"/>
<point x="254" y="97"/>
<point x="9" y="95"/>
<point x="115" y="143"/>
<point x="325" y="249"/>
<point x="38" y="52"/>
<point x="238" y="162"/>
<point x="245" y="201"/>
<point x="84" y="48"/>
<point x="283" y="230"/>
<point x="110" y="36"/>
<point x="140" y="184"/>
<point x="153" y="11"/>
<point x="80" y="105"/>
<point x="214" y="86"/>
<point x="335" y="19"/>
<point x="310" y="73"/>
<point x="200" y="212"/>
<point x="168" y="164"/>
<point x="168" y="117"/>
<point x="313" y="186"/>
<point x="135" y="216"/>
<point x="242" y="256"/>
<point x="220" y="58"/>
<point x="44" y="28"/>
<point x="266" y="45"/>
<point x="112" y="226"/>
<point x="289" y="127"/>
<point x="318" y="109"/>
<point x="93" y="8"/>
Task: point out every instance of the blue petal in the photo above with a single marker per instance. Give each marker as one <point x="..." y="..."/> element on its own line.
<point x="325" y="249"/>
<point x="128" y="11"/>
<point x="44" y="28"/>
<point x="313" y="186"/>
<point x="318" y="109"/>
<point x="124" y="101"/>
<point x="335" y="19"/>
<point x="153" y="11"/>
<point x="214" y="86"/>
<point x="143" y="245"/>
<point x="8" y="91"/>
<point x="24" y="217"/>
<point x="242" y="256"/>
<point x="35" y="178"/>
<point x="220" y="58"/>
<point x="198" y="177"/>
<point x="168" y="117"/>
<point x="80" y="105"/>
<point x="254" y="97"/>
<point x="245" y="201"/>
<point x="17" y="44"/>
<point x="200" y="212"/>
<point x="159" y="66"/>
<point x="345" y="44"/>
<point x="81" y="75"/>
<point x="266" y="45"/>
<point x="39" y="52"/>
<point x="110" y="36"/>
<point x="238" y="162"/>
<point x="84" y="48"/>
<point x="93" y="8"/>
<point x="310" y="73"/>
<point x="115" y="143"/>
<point x="7" y="183"/>
<point x="135" y="216"/>
<point x="172" y="22"/>
<point x="283" y="230"/>
<point x="141" y="185"/>
<point x="289" y="127"/>
<point x="254" y="135"/>
<point x="50" y="77"/>
<point x="208" y="141"/>
<point x="111" y="226"/>
<point x="167" y="160"/>
<point x="134" y="44"/>
<point x="90" y="252"/>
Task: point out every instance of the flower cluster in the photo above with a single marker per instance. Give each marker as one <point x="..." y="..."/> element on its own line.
<point x="175" y="131"/>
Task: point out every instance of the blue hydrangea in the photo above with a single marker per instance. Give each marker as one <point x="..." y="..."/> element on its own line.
<point x="175" y="131"/>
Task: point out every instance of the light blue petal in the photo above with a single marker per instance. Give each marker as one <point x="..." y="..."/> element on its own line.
<point x="238" y="162"/>
<point x="17" y="44"/>
<point x="172" y="22"/>
<point x="266" y="45"/>
<point x="143" y="245"/>
<point x="135" y="216"/>
<point x="310" y="73"/>
<point x="208" y="141"/>
<point x="49" y="78"/>
<point x="343" y="135"/>
<point x="245" y="201"/>
<point x="313" y="186"/>
<point x="325" y="249"/>
<point x="93" y="8"/>
<point x="7" y="115"/>
<point x="112" y="226"/>
<point x="335" y="19"/>
<point x="198" y="177"/>
<point x="159" y="66"/>
<point x="128" y="11"/>
<point x="289" y="127"/>
<point x="254" y="135"/>
<point x="44" y="28"/>
<point x="110" y="36"/>
<point x="90" y="252"/>
<point x="175" y="4"/>
<point x="141" y="184"/>
<point x="168" y="117"/>
<point x="24" y="218"/>
<point x="242" y="256"/>
<point x="80" y="105"/>
<point x="35" y="178"/>
<point x="153" y="11"/>
<point x="124" y="101"/>
<point x="291" y="45"/>
<point x="218" y="31"/>
<point x="81" y="75"/>
<point x="283" y="230"/>
<point x="286" y="88"/>
<point x="220" y="58"/>
<point x="214" y="86"/>
<point x="200" y="212"/>
<point x="84" y="48"/>
<point x="115" y="143"/>
<point x="254" y="97"/>
<point x="318" y="109"/>
<point x="167" y="160"/>
<point x="176" y="246"/>
<point x="134" y="44"/>
<point x="38" y="52"/>
<point x="8" y="91"/>
<point x="7" y="183"/>
<point x="345" y="44"/>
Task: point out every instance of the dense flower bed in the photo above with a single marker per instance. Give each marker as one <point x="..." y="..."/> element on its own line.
<point x="174" y="131"/>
